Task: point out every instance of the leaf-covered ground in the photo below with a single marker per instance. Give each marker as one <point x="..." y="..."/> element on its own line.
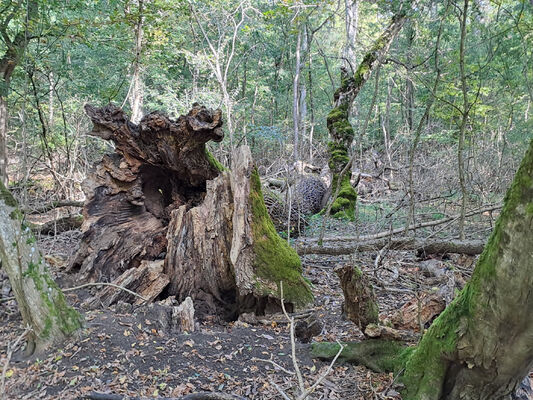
<point x="128" y="351"/>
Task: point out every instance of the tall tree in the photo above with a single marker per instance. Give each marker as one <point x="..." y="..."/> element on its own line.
<point x="481" y="346"/>
<point x="339" y="126"/>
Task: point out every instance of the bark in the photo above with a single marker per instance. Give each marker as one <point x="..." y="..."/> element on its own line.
<point x="162" y="198"/>
<point x="42" y="304"/>
<point x="137" y="91"/>
<point x="480" y="347"/>
<point x="360" y="304"/>
<point x="340" y="129"/>
<point x="148" y="281"/>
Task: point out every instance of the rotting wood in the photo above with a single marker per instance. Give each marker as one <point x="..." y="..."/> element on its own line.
<point x="161" y="198"/>
<point x="360" y="303"/>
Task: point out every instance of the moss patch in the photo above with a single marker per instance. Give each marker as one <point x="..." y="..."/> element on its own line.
<point x="375" y="354"/>
<point x="213" y="161"/>
<point x="344" y="205"/>
<point x="275" y="261"/>
<point x="6" y="196"/>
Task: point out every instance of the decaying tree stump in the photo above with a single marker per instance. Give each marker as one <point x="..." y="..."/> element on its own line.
<point x="360" y="304"/>
<point x="162" y="196"/>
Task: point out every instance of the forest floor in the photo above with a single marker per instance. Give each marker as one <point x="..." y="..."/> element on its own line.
<point x="129" y="352"/>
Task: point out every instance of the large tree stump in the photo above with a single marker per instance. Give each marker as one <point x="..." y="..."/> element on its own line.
<point x="162" y="196"/>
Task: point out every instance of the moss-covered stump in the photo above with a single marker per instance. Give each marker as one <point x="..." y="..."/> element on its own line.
<point x="41" y="303"/>
<point x="226" y="251"/>
<point x="360" y="304"/>
<point x="481" y="346"/>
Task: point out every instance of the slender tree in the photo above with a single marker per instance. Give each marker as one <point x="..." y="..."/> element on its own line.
<point x="15" y="47"/>
<point x="339" y="126"/>
<point x="42" y="304"/>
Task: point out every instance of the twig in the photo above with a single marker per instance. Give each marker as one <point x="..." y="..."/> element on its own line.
<point x="293" y="342"/>
<point x="275" y="364"/>
<point x="323" y="376"/>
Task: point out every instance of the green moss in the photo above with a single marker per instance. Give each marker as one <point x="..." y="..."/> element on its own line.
<point x="6" y="196"/>
<point x="344" y="205"/>
<point x="427" y="367"/>
<point x="275" y="261"/>
<point x="213" y="161"/>
<point x="376" y="354"/>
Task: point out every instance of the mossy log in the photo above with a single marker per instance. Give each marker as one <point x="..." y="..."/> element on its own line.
<point x="41" y="303"/>
<point x="340" y="129"/>
<point x="162" y="196"/>
<point x="481" y="346"/>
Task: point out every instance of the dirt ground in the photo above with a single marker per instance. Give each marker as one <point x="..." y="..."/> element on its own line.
<point x="129" y="352"/>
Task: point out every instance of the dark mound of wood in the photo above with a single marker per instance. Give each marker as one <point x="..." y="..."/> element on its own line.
<point x="161" y="198"/>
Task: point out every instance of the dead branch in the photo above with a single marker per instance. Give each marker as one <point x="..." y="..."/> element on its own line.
<point x="470" y="247"/>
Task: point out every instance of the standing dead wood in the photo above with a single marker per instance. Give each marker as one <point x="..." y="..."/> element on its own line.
<point x="162" y="200"/>
<point x="360" y="304"/>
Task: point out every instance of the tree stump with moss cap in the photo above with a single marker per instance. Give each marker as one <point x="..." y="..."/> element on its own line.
<point x="162" y="196"/>
<point x="339" y="126"/>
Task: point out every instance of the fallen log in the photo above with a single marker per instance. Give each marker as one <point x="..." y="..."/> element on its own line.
<point x="161" y="197"/>
<point x="59" y="225"/>
<point x="469" y="247"/>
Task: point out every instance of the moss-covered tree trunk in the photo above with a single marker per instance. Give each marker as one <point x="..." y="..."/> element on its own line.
<point x="162" y="198"/>
<point x="340" y="129"/>
<point x="481" y="346"/>
<point x="41" y="302"/>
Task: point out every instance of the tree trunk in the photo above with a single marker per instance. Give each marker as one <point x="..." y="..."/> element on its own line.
<point x="295" y="96"/>
<point x="137" y="91"/>
<point x="351" y="21"/>
<point x="480" y="347"/>
<point x="340" y="129"/>
<point x="3" y="140"/>
<point x="162" y="196"/>
<point x="41" y="302"/>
